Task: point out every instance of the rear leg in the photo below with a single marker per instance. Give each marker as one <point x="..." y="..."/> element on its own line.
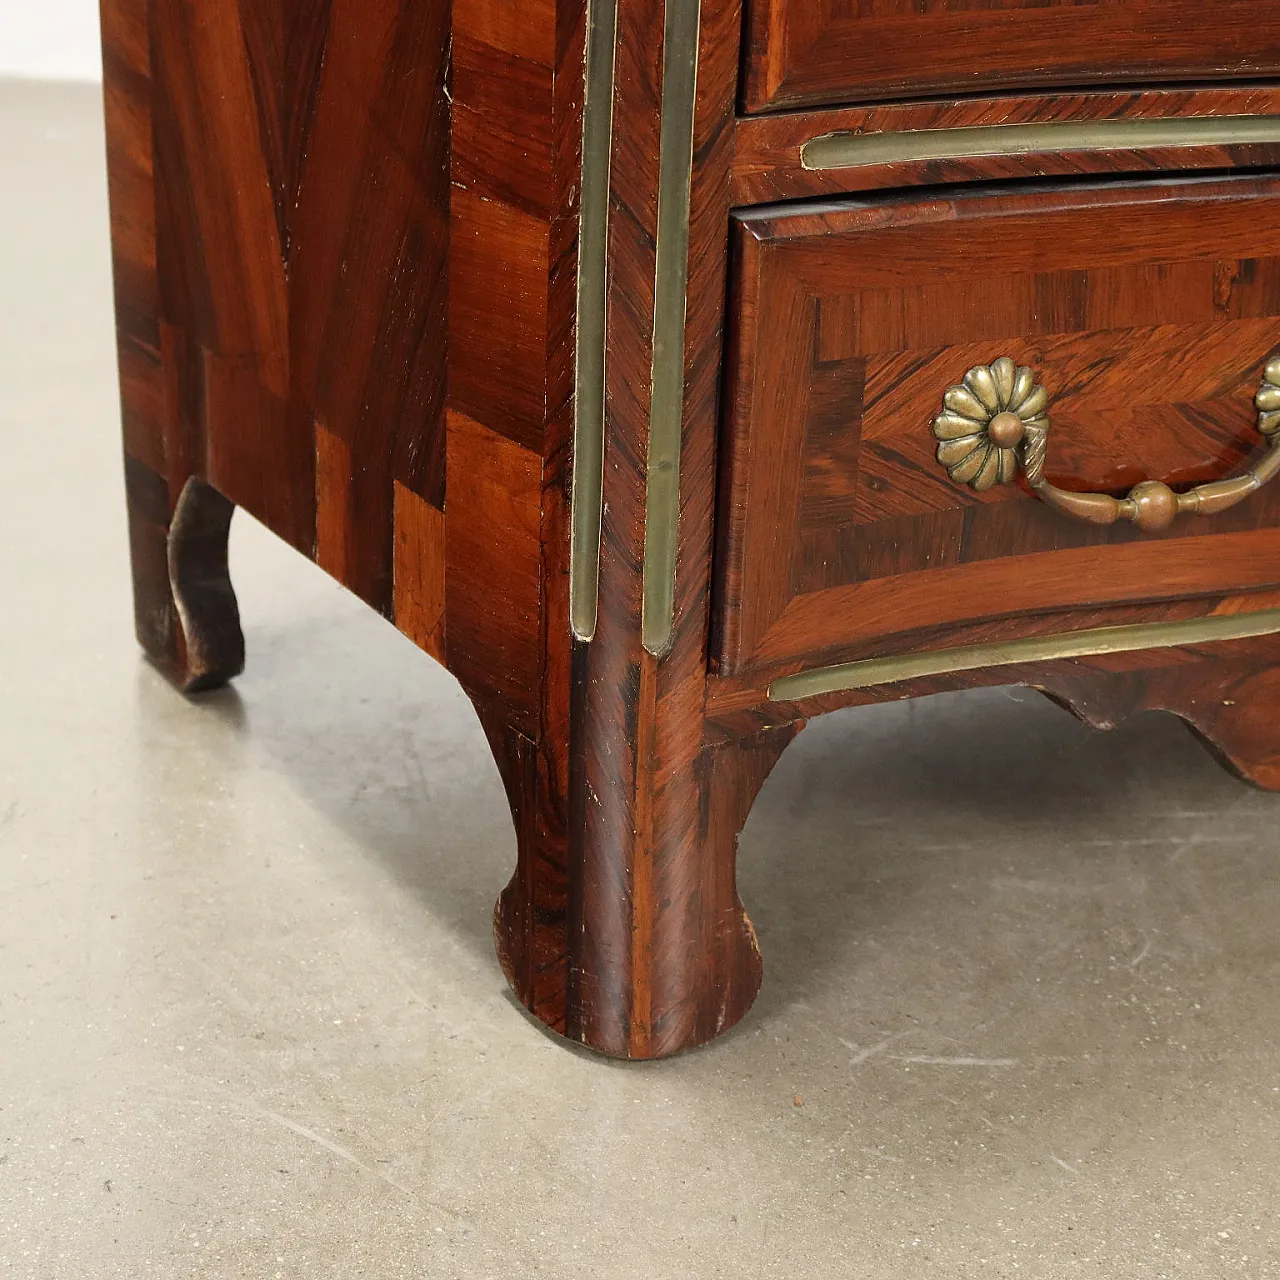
<point x="185" y="609"/>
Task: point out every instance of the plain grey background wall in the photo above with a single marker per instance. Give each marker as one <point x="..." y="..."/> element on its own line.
<point x="50" y="39"/>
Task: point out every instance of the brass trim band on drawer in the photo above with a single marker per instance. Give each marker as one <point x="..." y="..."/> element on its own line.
<point x="681" y="33"/>
<point x="996" y="421"/>
<point x="1072" y="644"/>
<point x="846" y="150"/>
<point x="587" y="500"/>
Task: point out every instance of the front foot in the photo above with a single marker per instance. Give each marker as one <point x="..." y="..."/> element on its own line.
<point x="637" y="947"/>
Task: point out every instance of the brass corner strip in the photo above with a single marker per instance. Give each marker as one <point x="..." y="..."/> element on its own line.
<point x="587" y="500"/>
<point x="851" y="150"/>
<point x="682" y="27"/>
<point x="1071" y="644"/>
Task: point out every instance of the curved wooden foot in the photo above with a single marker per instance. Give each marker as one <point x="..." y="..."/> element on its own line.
<point x="185" y="609"/>
<point x="637" y="951"/>
<point x="1228" y="695"/>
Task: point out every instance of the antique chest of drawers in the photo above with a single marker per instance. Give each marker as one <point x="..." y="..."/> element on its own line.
<point x="675" y="372"/>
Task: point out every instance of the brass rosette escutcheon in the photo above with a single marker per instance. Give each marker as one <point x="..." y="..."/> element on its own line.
<point x="985" y="419"/>
<point x="996" y="422"/>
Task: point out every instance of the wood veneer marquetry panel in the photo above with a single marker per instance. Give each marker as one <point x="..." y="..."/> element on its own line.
<point x="1149" y="311"/>
<point x="130" y="172"/>
<point x="334" y="513"/>
<point x="517" y="127"/>
<point x="493" y="558"/>
<point x="802" y="52"/>
<point x="260" y="289"/>
<point x="253" y="451"/>
<point x="498" y="312"/>
<point x="769" y="162"/>
<point x="1194" y="681"/>
<point x="668" y="958"/>
<point x="272" y="293"/>
<point x="420" y="572"/>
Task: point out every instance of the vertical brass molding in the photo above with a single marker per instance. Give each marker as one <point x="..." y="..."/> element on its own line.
<point x="587" y="500"/>
<point x="681" y="30"/>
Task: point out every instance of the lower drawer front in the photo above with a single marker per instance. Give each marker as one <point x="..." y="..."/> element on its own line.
<point x="860" y="510"/>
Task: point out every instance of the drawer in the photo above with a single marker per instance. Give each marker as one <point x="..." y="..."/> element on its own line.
<point x="863" y="503"/>
<point x="814" y="52"/>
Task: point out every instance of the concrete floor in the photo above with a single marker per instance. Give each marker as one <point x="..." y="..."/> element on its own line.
<point x="1025" y="978"/>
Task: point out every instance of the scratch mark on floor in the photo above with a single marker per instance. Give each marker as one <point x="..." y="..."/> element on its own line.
<point x="926" y="1061"/>
<point x="862" y="1055"/>
<point x="342" y="1152"/>
<point x="1062" y="1164"/>
<point x="1142" y="955"/>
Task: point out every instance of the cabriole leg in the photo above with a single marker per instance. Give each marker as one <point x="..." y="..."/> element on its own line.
<point x="635" y="945"/>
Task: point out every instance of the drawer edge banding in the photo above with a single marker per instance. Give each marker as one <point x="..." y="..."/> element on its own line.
<point x="680" y="48"/>
<point x="587" y="501"/>
<point x="845" y="150"/>
<point x="1093" y="643"/>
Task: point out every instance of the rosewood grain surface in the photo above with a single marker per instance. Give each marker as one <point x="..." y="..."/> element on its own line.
<point x="516" y="103"/>
<point x="1149" y="311"/>
<point x="282" y="337"/>
<point x="356" y="321"/>
<point x="741" y="703"/>
<point x="1226" y="692"/>
<point x="671" y="959"/>
<point x="814" y="52"/>
<point x="767" y="163"/>
<point x="293" y="184"/>
<point x="345" y="250"/>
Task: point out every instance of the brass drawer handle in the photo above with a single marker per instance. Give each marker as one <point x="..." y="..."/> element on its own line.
<point x="997" y="420"/>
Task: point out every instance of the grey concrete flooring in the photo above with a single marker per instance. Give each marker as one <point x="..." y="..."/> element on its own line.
<point x="1024" y="977"/>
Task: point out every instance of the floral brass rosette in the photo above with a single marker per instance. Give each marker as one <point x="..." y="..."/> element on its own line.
<point x="985" y="418"/>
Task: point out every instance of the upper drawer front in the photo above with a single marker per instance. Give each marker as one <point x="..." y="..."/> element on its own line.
<point x="1150" y="313"/>
<point x="814" y="52"/>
